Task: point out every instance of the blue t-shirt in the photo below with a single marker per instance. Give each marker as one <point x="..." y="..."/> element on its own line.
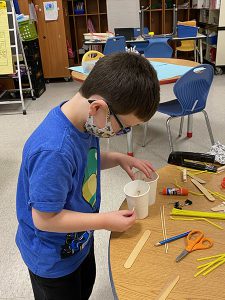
<point x="60" y="169"/>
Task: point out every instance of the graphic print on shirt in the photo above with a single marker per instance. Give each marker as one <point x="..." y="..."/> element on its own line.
<point x="77" y="241"/>
<point x="89" y="188"/>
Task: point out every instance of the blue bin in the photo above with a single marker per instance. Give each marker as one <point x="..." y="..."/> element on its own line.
<point x="212" y="40"/>
<point x="186" y="31"/>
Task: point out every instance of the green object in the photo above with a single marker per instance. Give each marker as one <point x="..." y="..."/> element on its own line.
<point x="169" y="4"/>
<point x="27" y="30"/>
<point x="200" y="214"/>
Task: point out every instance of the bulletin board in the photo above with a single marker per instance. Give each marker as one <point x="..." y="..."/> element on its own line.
<point x="6" y="66"/>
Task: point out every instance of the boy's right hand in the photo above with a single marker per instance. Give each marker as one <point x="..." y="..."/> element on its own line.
<point x="120" y="220"/>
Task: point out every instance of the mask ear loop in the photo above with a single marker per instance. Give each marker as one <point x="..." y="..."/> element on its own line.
<point x="107" y="117"/>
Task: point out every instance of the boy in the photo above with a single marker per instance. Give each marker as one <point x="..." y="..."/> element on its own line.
<point x="58" y="194"/>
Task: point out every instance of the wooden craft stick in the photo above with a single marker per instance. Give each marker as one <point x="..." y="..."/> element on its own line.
<point x="164" y="225"/>
<point x="184" y="175"/>
<point x="168" y="288"/>
<point x="162" y="215"/>
<point x="129" y="262"/>
<point x="196" y="178"/>
<point x="203" y="190"/>
<point x="220" y="169"/>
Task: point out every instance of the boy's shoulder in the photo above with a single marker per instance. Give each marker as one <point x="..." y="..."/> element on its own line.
<point x="57" y="134"/>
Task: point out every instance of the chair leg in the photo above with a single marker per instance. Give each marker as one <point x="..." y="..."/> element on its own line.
<point x="195" y="52"/>
<point x="175" y="53"/>
<point x="169" y="133"/>
<point x="145" y="134"/>
<point x="209" y="127"/>
<point x="181" y="126"/>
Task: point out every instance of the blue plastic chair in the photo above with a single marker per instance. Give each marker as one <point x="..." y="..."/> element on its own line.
<point x="191" y="91"/>
<point x="137" y="31"/>
<point x="114" y="45"/>
<point x="158" y="48"/>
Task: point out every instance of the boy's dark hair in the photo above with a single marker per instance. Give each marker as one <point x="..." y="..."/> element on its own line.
<point x="127" y="82"/>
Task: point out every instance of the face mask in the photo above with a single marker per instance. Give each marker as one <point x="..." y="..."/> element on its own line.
<point x="104" y="132"/>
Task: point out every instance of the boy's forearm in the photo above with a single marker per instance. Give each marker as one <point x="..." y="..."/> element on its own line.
<point x="68" y="221"/>
<point x="110" y="159"/>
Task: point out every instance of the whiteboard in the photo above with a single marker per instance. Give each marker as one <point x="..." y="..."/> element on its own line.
<point x="123" y="13"/>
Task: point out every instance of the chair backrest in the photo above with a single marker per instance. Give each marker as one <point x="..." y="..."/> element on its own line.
<point x="114" y="45"/>
<point x="158" y="47"/>
<point x="188" y="45"/>
<point x="193" y="87"/>
<point x="137" y="31"/>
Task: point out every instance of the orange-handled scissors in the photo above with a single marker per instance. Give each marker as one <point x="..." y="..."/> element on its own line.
<point x="195" y="241"/>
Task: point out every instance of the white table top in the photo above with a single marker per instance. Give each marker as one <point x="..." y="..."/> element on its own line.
<point x="174" y="38"/>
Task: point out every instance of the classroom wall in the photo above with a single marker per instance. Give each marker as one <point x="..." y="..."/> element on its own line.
<point x="123" y="13"/>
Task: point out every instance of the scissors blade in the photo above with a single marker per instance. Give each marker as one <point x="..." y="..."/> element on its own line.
<point x="182" y="255"/>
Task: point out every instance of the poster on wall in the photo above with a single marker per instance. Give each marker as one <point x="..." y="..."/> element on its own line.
<point x="50" y="10"/>
<point x="6" y="66"/>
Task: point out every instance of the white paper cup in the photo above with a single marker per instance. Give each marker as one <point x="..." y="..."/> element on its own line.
<point x="137" y="195"/>
<point x="152" y="183"/>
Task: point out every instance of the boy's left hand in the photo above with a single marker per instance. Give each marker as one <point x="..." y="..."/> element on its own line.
<point x="128" y="163"/>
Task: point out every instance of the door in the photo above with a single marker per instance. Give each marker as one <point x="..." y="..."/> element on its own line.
<point x="52" y="39"/>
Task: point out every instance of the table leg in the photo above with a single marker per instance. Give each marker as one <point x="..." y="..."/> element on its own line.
<point x="195" y="56"/>
<point x="200" y="50"/>
<point x="189" y="126"/>
<point x="130" y="143"/>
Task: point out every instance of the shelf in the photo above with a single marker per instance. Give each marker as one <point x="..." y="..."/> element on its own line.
<point x="159" y="18"/>
<point x="96" y="13"/>
<point x="156" y="9"/>
<point x="214" y="25"/>
<point x="207" y="8"/>
<point x="212" y="46"/>
<point x="84" y="15"/>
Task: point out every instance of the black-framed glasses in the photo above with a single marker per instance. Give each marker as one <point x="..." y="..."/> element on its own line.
<point x="123" y="129"/>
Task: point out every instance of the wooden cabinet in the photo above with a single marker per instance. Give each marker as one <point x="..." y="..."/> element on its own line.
<point x="159" y="17"/>
<point x="24" y="6"/>
<point x="92" y="14"/>
<point x="53" y="36"/>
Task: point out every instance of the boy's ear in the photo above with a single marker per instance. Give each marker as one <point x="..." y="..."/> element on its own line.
<point x="96" y="105"/>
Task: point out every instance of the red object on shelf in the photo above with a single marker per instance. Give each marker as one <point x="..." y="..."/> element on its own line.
<point x="213" y="54"/>
<point x="189" y="134"/>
